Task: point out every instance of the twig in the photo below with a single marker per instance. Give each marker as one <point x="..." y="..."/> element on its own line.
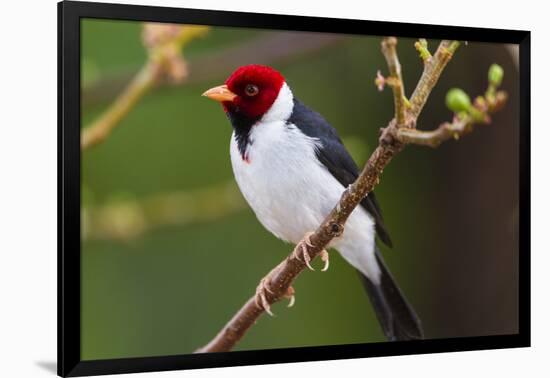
<point x="422" y="47"/>
<point x="98" y="131"/>
<point x="461" y="125"/>
<point x="435" y="137"/>
<point x="432" y="70"/>
<point x="272" y="48"/>
<point x="126" y="218"/>
<point x="164" y="42"/>
<point x="281" y="278"/>
<point x="395" y="81"/>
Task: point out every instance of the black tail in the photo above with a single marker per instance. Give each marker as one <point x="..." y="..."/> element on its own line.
<point x="395" y="314"/>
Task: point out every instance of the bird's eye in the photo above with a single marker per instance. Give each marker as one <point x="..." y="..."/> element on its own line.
<point x="251" y="90"/>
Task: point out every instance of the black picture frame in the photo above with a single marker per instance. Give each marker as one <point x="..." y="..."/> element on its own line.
<point x="69" y="15"/>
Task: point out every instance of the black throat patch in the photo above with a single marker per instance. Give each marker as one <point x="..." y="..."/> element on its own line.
<point x="242" y="126"/>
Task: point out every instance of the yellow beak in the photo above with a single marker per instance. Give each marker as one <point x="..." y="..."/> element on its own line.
<point x="220" y="93"/>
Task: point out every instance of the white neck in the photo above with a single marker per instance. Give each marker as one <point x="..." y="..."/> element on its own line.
<point x="282" y="106"/>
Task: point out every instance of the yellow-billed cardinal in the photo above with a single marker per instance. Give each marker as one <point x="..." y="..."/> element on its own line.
<point x="292" y="168"/>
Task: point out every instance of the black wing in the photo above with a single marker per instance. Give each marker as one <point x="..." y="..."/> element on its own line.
<point x="336" y="159"/>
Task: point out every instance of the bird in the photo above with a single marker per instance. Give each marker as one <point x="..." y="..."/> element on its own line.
<point x="292" y="167"/>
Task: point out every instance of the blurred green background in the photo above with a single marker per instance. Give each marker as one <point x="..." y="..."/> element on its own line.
<point x="170" y="251"/>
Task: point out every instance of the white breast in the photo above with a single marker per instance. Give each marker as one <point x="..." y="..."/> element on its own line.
<point x="291" y="192"/>
<point x="283" y="182"/>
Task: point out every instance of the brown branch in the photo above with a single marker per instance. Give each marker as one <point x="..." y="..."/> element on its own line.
<point x="127" y="218"/>
<point x="395" y="80"/>
<point x="460" y="126"/>
<point x="432" y="70"/>
<point x="270" y="48"/>
<point x="98" y="131"/>
<point x="434" y="138"/>
<point x="282" y="276"/>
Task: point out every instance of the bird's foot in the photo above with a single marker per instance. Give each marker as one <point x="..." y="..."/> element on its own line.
<point x="261" y="294"/>
<point x="300" y="253"/>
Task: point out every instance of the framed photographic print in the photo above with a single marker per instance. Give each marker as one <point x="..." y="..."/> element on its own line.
<point x="217" y="182"/>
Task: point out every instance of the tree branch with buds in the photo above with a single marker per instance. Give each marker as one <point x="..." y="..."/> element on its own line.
<point x="164" y="43"/>
<point x="399" y="132"/>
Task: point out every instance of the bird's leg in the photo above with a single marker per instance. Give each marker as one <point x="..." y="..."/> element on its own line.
<point x="264" y="287"/>
<point x="300" y="253"/>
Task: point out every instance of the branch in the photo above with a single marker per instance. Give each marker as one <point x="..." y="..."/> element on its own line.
<point x="466" y="114"/>
<point x="434" y="138"/>
<point x="395" y="81"/>
<point x="432" y="70"/>
<point x="100" y="129"/>
<point x="422" y="47"/>
<point x="164" y="42"/>
<point x="282" y="276"/>
<point x="459" y="127"/>
<point x="124" y="218"/>
<point x="272" y="48"/>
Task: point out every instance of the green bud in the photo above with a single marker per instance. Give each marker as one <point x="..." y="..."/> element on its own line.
<point x="495" y="74"/>
<point x="457" y="100"/>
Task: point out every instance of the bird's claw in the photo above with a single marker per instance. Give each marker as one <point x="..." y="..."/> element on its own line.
<point x="325" y="259"/>
<point x="300" y="253"/>
<point x="261" y="299"/>
<point x="290" y="295"/>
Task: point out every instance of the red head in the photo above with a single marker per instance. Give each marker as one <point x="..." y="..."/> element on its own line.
<point x="250" y="90"/>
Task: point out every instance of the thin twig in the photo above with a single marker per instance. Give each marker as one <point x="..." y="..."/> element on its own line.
<point x="127" y="218"/>
<point x="422" y="47"/>
<point x="434" y="138"/>
<point x="395" y="81"/>
<point x="98" y="131"/>
<point x="460" y="126"/>
<point x="432" y="70"/>
<point x="274" y="48"/>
